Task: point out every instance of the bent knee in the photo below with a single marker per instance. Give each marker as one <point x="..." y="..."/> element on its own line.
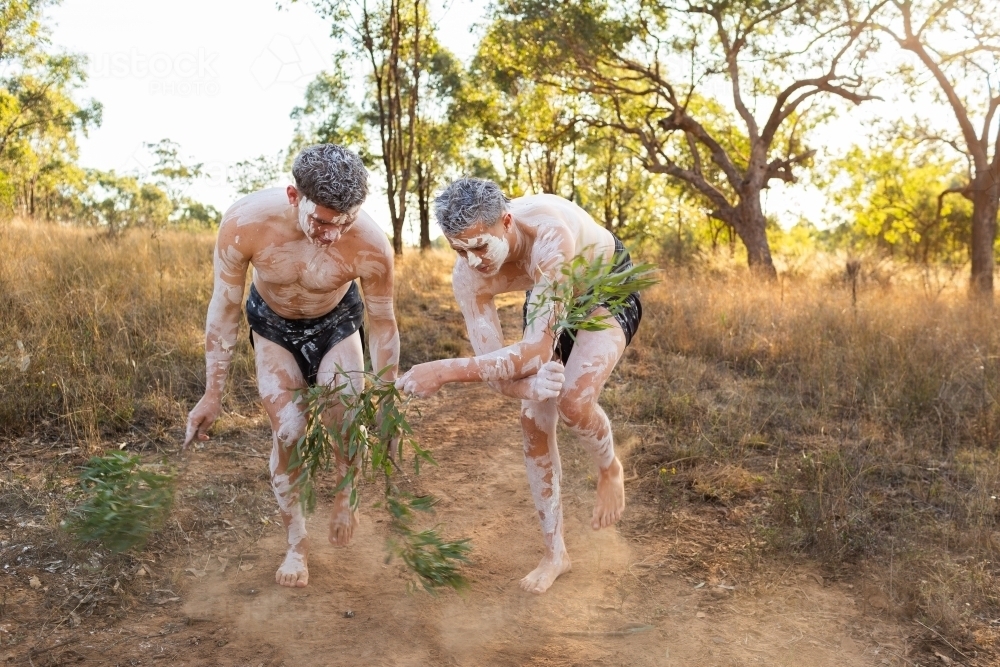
<point x="288" y="425"/>
<point x="537" y="415"/>
<point x="573" y="408"/>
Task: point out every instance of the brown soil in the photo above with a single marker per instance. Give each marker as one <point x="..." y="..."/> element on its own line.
<point x="209" y="598"/>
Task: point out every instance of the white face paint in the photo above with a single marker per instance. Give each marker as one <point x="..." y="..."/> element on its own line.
<point x="307" y="209"/>
<point x="485" y="253"/>
<point x="321" y="231"/>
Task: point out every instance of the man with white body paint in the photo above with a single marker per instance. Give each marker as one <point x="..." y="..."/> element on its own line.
<point x="307" y="244"/>
<point x="523" y="244"/>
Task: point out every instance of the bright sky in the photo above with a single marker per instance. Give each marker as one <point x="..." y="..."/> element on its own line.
<point x="219" y="77"/>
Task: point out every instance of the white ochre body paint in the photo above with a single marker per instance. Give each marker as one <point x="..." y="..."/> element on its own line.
<point x="541" y="234"/>
<point x="303" y="264"/>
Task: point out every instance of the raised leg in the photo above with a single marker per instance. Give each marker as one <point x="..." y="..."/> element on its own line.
<point x="541" y="459"/>
<point x="347" y="356"/>
<point x="594" y="356"/>
<point x="278" y="377"/>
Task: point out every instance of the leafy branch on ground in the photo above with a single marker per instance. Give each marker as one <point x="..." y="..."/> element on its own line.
<point x="123" y="503"/>
<point x="433" y="560"/>
<point x="371" y="440"/>
<point x="586" y="285"/>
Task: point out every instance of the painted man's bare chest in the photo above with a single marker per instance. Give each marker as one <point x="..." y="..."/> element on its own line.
<point x="315" y="269"/>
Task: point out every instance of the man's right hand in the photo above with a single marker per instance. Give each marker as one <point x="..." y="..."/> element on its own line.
<point x="201" y="419"/>
<point x="548" y="382"/>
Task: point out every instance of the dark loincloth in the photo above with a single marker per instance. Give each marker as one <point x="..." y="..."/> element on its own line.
<point x="628" y="317"/>
<point x="307" y="339"/>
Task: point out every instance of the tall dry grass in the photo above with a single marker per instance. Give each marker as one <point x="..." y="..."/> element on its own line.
<point x="860" y="435"/>
<point x="110" y="330"/>
<point x="101" y="335"/>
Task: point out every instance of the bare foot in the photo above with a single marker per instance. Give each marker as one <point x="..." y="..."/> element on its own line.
<point x="342" y="521"/>
<point x="610" y="496"/>
<point x="293" y="572"/>
<point x="539" y="579"/>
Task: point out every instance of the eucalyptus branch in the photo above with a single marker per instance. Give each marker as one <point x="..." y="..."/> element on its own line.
<point x="371" y="440"/>
<point x="585" y="285"/>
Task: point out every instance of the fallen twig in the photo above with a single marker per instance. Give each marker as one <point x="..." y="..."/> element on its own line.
<point x="35" y="652"/>
<point x="942" y="638"/>
<point x="607" y="633"/>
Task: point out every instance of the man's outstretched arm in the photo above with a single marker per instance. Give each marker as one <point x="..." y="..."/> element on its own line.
<point x="513" y="362"/>
<point x="486" y="335"/>
<point x="221" y="330"/>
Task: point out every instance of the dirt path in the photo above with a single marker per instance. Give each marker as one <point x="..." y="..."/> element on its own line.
<point x="615" y="608"/>
<point x="211" y="599"/>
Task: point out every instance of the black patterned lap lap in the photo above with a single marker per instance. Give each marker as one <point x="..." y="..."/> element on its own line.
<point x="628" y="317"/>
<point x="307" y="339"/>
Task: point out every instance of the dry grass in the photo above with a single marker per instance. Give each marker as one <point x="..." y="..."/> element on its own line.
<point x="113" y="329"/>
<point x="786" y="419"/>
<point x="861" y="436"/>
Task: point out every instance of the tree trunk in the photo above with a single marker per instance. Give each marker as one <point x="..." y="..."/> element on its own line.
<point x="424" y="204"/>
<point x="751" y="227"/>
<point x="397" y="237"/>
<point x="985" y="202"/>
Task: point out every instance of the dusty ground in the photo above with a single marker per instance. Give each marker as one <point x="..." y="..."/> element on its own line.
<point x="212" y="599"/>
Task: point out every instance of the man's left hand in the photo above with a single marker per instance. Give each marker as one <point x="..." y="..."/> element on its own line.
<point x="422" y="380"/>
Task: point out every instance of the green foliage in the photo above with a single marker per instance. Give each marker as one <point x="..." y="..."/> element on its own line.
<point x="118" y="202"/>
<point x="891" y="197"/>
<point x="328" y="115"/>
<point x="586" y="285"/>
<point x="371" y="440"/>
<point x="123" y="504"/>
<point x="39" y="118"/>
<point x="261" y="172"/>
<point x="434" y="561"/>
<point x="196" y="215"/>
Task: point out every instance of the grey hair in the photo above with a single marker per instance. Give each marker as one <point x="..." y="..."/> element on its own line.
<point x="468" y="201"/>
<point x="331" y="176"/>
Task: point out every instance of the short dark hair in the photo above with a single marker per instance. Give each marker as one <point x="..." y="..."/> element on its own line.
<point x="331" y="176"/>
<point x="468" y="201"/>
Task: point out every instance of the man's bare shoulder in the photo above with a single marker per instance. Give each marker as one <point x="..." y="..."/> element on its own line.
<point x="258" y="208"/>
<point x="369" y="249"/>
<point x="561" y="229"/>
<point x="371" y="235"/>
<point x="545" y="209"/>
<point x="254" y="220"/>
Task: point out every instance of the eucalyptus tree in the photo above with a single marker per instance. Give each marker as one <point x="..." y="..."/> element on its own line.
<point x="957" y="42"/>
<point x="535" y="129"/>
<point x="889" y="187"/>
<point x="394" y="41"/>
<point x="440" y="136"/>
<point x="530" y="126"/>
<point x="720" y="94"/>
<point x="39" y="118"/>
<point x="328" y="114"/>
<point x="261" y="172"/>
